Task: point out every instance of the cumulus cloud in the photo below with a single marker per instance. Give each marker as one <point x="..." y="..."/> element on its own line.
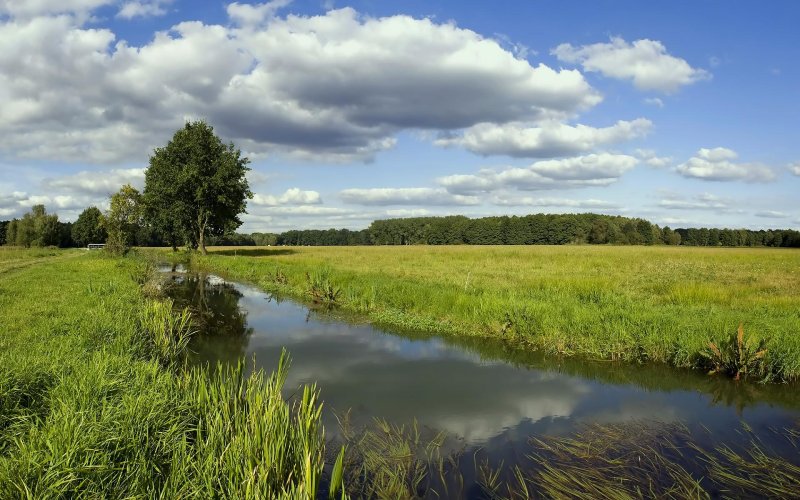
<point x="649" y="157"/>
<point x="548" y="140"/>
<point x="338" y="85"/>
<point x="97" y="183"/>
<point x="718" y="164"/>
<point x="405" y="196"/>
<point x="292" y="196"/>
<point x="528" y="201"/>
<point x="254" y="14"/>
<point x="599" y="169"/>
<point x="24" y="9"/>
<point x="795" y="168"/>
<point x="644" y="62"/>
<point x="136" y="8"/>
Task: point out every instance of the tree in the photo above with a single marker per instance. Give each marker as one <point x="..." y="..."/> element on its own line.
<point x="89" y="227"/>
<point x="36" y="228"/>
<point x="123" y="219"/>
<point x="195" y="186"/>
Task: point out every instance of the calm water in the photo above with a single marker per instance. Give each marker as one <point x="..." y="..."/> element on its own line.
<point x="481" y="392"/>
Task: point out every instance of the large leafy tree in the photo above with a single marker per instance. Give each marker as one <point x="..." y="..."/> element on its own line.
<point x="195" y="186"/>
<point x="89" y="227"/>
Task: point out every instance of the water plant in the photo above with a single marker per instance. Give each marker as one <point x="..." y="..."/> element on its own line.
<point x="320" y="287"/>
<point x="737" y="356"/>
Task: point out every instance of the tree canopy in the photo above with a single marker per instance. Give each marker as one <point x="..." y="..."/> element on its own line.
<point x="195" y="187"/>
<point x="36" y="228"/>
<point x="89" y="227"/>
<point x="123" y="219"/>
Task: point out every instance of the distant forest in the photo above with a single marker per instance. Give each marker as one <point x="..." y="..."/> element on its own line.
<point x="42" y="229"/>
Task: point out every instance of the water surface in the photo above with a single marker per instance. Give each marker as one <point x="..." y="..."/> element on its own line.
<point x="484" y="393"/>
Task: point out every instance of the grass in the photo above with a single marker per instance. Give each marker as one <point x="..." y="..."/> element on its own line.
<point x="639" y="304"/>
<point x="95" y="401"/>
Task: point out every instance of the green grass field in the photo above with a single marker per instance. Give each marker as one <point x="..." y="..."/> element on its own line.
<point x="663" y="304"/>
<point x="95" y="403"/>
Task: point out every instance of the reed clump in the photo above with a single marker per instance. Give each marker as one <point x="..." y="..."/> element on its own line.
<point x="737" y="356"/>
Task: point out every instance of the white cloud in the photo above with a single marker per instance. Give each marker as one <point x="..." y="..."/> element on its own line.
<point x="338" y="85"/>
<point x="136" y="8"/>
<point x="795" y="168"/>
<point x="24" y="9"/>
<point x="705" y="201"/>
<point x="97" y="183"/>
<point x="551" y="139"/>
<point x="405" y="196"/>
<point x="645" y="62"/>
<point x="406" y="212"/>
<point x="599" y="169"/>
<point x="292" y="196"/>
<point x="654" y="101"/>
<point x="772" y="214"/>
<point x="254" y="14"/>
<point x="649" y="157"/>
<point x="718" y="164"/>
<point x="305" y="210"/>
<point x="555" y="202"/>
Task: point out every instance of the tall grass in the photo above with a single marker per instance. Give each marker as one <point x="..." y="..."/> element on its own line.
<point x="638" y="304"/>
<point x="94" y="402"/>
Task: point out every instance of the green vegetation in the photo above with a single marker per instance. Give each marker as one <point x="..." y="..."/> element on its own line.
<point x="195" y="187"/>
<point x="639" y="304"/>
<point x="538" y="229"/>
<point x="89" y="228"/>
<point x="95" y="402"/>
<point x="122" y="219"/>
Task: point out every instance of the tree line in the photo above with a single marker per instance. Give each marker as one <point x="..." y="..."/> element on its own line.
<point x="39" y="228"/>
<point x="195" y="189"/>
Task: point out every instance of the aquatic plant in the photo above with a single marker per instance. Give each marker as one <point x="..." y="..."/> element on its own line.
<point x="320" y="287"/>
<point x="737" y="356"/>
<point x="165" y="333"/>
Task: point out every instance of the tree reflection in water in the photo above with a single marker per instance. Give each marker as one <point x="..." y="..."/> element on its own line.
<point x="222" y="329"/>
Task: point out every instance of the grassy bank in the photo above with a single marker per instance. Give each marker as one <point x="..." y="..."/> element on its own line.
<point x="661" y="304"/>
<point x="95" y="403"/>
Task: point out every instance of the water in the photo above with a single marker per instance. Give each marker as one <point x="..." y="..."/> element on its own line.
<point x="483" y="393"/>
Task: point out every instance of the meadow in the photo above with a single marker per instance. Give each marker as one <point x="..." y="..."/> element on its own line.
<point x="95" y="401"/>
<point x="676" y="305"/>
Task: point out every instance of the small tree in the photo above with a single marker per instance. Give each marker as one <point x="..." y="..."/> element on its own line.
<point x="122" y="219"/>
<point x="195" y="186"/>
<point x="89" y="227"/>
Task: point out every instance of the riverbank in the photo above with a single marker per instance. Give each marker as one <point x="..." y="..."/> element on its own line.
<point x="679" y="306"/>
<point x="95" y="402"/>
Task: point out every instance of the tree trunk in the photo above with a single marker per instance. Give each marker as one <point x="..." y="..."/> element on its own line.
<point x="202" y="238"/>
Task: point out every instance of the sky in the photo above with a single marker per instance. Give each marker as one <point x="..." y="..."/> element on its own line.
<point x="685" y="113"/>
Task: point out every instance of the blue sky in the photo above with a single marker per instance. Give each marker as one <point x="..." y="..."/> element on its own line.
<point x="685" y="113"/>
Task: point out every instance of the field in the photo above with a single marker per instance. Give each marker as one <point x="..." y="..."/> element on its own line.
<point x="675" y="305"/>
<point x="95" y="403"/>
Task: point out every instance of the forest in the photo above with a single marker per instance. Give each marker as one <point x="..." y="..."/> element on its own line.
<point x="40" y="228"/>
